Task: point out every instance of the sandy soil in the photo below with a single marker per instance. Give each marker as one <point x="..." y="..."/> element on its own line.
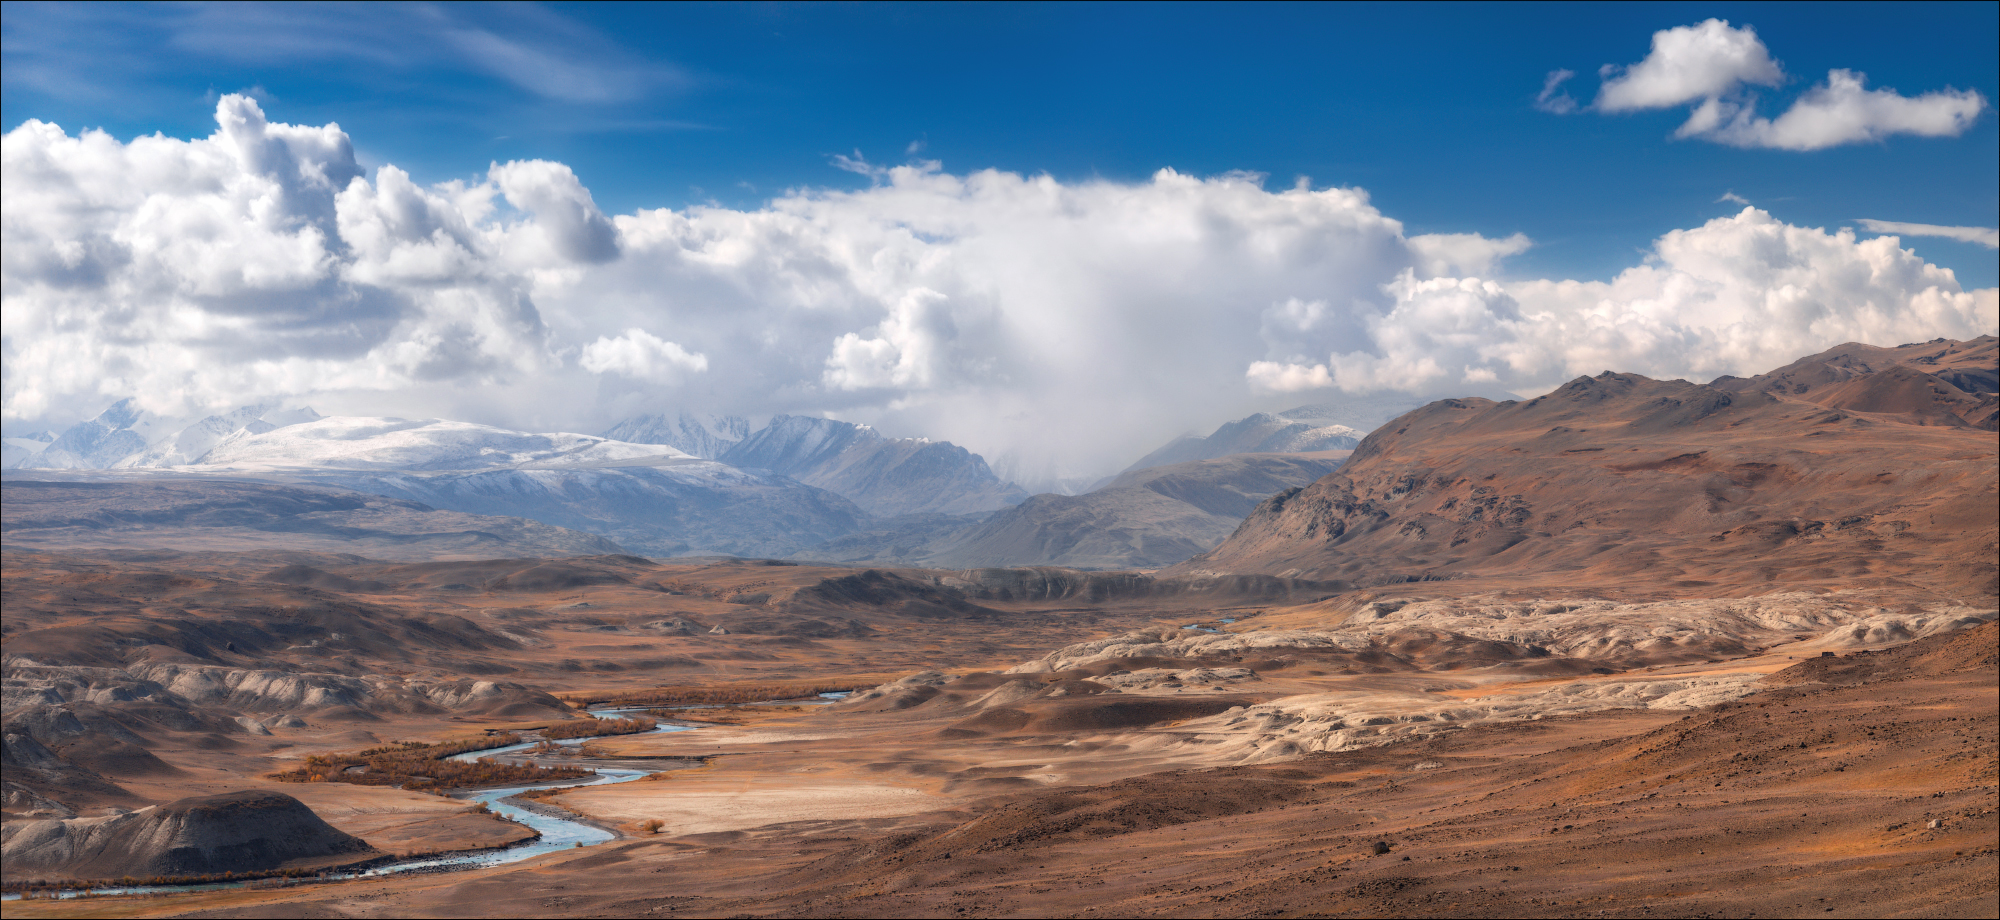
<point x="750" y="793"/>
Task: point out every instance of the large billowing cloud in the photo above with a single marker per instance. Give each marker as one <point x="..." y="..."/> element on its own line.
<point x="1071" y="326"/>
<point x="1734" y="296"/>
<point x="257" y="261"/>
<point x="1711" y="64"/>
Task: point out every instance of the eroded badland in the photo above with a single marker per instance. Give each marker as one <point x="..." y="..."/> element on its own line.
<point x="1633" y="648"/>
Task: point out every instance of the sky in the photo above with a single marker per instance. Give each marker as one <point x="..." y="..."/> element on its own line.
<point x="1058" y="234"/>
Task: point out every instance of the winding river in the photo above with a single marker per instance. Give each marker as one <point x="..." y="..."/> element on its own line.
<point x="557" y="833"/>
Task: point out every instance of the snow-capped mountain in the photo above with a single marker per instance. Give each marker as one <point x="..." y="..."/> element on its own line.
<point x="798" y="483"/>
<point x="650" y="498"/>
<point x="99" y="443"/>
<point x="18" y="450"/>
<point x="886" y="476"/>
<point x="1301" y="430"/>
<point x="364" y="443"/>
<point x="191" y="444"/>
<point x="125" y="436"/>
<point x="703" y="434"/>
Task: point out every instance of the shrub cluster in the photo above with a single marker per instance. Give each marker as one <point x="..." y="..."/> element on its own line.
<point x="49" y="888"/>
<point x="739" y="693"/>
<point x="592" y="728"/>
<point x="416" y="765"/>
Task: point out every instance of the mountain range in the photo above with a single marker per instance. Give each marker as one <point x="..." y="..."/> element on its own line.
<point x="885" y="476"/>
<point x="695" y="484"/>
<point x="704" y="435"/>
<point x="1484" y="477"/>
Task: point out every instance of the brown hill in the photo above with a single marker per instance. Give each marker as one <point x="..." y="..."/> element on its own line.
<point x="240" y="832"/>
<point x="1143" y="518"/>
<point x="1940" y="382"/>
<point x="1665" y="486"/>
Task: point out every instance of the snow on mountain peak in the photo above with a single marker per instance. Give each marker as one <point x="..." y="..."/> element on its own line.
<point x="367" y="443"/>
<point x="703" y="434"/>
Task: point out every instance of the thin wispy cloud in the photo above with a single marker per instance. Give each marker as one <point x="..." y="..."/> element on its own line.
<point x="1551" y="99"/>
<point x="1988" y="237"/>
<point x="550" y="56"/>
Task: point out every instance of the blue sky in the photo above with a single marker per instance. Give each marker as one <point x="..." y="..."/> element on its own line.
<point x="1024" y="228"/>
<point x="1427" y="107"/>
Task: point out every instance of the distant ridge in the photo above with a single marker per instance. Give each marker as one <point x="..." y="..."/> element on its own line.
<point x="1143" y="519"/>
<point x="1855" y="467"/>
<point x="1304" y="429"/>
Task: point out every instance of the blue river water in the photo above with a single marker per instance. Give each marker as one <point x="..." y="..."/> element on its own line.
<point x="557" y="833"/>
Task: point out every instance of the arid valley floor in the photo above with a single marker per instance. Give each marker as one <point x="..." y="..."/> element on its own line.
<point x="1635" y="648"/>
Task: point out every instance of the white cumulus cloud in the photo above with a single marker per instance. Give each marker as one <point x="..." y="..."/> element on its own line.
<point x="1712" y="64"/>
<point x="1707" y="60"/>
<point x="1734" y="296"/>
<point x="1460" y="254"/>
<point x="641" y="355"/>
<point x="1059" y="326"/>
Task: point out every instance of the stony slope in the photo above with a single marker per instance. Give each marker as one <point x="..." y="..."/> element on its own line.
<point x="1663" y="485"/>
